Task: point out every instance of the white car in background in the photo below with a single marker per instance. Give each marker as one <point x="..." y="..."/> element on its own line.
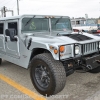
<point x="85" y="25"/>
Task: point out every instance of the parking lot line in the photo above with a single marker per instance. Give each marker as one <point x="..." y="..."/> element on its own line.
<point x="21" y="88"/>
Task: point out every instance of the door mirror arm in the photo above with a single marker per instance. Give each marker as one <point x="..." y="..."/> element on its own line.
<point x="15" y="38"/>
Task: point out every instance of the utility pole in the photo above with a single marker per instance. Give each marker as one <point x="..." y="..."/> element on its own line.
<point x="18" y="6"/>
<point x="4" y="10"/>
<point x="1" y="14"/>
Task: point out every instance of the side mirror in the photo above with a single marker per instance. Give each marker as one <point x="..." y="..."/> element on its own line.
<point x="11" y="33"/>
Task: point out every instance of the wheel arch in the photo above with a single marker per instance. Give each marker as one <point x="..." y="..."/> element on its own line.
<point x="37" y="51"/>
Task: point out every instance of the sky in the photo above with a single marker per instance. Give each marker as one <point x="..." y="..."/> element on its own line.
<point x="71" y="8"/>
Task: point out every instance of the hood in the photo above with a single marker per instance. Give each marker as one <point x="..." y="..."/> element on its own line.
<point x="64" y="38"/>
<point x="79" y="37"/>
<point x="47" y="39"/>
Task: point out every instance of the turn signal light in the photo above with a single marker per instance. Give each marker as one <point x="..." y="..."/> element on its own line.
<point x="62" y="48"/>
<point x="51" y="47"/>
<point x="55" y="51"/>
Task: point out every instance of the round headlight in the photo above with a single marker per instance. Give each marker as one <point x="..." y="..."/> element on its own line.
<point x="77" y="50"/>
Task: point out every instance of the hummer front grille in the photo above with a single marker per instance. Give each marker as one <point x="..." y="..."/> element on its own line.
<point x="90" y="47"/>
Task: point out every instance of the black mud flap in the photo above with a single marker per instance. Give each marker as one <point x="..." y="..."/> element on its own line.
<point x="92" y="62"/>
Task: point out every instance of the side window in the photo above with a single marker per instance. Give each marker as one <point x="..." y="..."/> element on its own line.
<point x="77" y="22"/>
<point x="14" y="26"/>
<point x="1" y="28"/>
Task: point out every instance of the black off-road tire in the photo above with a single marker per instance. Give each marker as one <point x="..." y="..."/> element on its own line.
<point x="0" y="61"/>
<point x="96" y="70"/>
<point x="56" y="70"/>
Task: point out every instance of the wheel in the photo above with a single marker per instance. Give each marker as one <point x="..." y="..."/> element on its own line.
<point x="0" y="61"/>
<point x="96" y="70"/>
<point x="48" y="76"/>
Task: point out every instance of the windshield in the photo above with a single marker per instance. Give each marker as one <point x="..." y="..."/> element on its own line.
<point x="35" y="24"/>
<point x="91" y="22"/>
<point x="61" y="24"/>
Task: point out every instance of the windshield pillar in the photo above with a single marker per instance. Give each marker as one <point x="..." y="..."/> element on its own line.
<point x="50" y="25"/>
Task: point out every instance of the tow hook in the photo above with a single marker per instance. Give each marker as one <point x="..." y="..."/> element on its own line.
<point x="89" y="67"/>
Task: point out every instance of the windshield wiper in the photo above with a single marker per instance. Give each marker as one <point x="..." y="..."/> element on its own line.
<point x="58" y="20"/>
<point x="28" y="21"/>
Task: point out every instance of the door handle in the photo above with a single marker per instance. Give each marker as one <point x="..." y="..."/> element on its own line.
<point x="6" y="39"/>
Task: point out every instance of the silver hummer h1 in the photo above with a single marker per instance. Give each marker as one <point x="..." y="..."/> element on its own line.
<point x="48" y="46"/>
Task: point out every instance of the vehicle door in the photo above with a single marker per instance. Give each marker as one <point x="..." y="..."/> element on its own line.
<point x="12" y="47"/>
<point x="2" y="38"/>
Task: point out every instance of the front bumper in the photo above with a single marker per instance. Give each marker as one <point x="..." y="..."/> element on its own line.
<point x="92" y="62"/>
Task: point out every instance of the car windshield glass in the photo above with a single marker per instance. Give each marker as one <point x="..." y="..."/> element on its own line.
<point x="61" y="24"/>
<point x="91" y="22"/>
<point x="35" y="24"/>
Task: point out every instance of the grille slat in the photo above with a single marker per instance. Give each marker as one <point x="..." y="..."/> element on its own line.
<point x="90" y="47"/>
<point x="95" y="45"/>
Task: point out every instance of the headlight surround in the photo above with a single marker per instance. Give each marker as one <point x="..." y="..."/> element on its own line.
<point x="77" y="50"/>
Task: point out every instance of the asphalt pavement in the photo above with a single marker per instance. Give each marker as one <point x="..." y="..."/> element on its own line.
<point x="79" y="86"/>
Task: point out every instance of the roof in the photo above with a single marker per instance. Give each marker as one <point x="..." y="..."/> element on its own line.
<point x="78" y="19"/>
<point x="20" y="16"/>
